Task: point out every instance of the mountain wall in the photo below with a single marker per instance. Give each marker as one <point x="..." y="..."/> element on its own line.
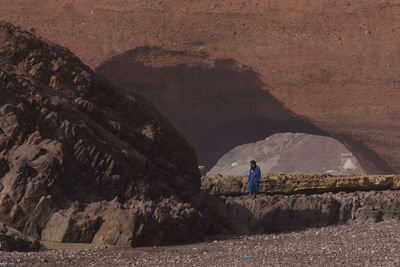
<point x="333" y="64"/>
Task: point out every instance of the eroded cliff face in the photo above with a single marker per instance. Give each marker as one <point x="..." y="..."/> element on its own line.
<point x="334" y="63"/>
<point x="295" y="202"/>
<point x="83" y="161"/>
<point x="278" y="213"/>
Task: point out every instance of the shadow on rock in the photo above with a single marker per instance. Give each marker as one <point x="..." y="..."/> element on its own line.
<point x="279" y="213"/>
<point x="216" y="103"/>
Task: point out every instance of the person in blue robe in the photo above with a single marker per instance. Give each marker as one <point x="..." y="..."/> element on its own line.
<point x="254" y="178"/>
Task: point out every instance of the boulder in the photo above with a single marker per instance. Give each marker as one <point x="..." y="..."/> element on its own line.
<point x="13" y="240"/>
<point x="84" y="161"/>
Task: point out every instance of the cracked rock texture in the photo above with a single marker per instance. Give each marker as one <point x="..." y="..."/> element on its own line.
<point x="83" y="161"/>
<point x="295" y="202"/>
<point x="296" y="212"/>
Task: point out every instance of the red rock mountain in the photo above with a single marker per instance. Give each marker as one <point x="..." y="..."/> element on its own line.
<point x="333" y="66"/>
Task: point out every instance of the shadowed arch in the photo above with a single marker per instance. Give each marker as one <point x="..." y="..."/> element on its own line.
<point x="216" y="104"/>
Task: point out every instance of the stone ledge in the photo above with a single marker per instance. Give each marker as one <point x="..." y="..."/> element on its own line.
<point x="288" y="184"/>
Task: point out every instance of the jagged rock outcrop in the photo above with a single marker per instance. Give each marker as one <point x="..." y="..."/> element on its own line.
<point x="13" y="240"/>
<point x="83" y="161"/>
<point x="333" y="63"/>
<point x="289" y="184"/>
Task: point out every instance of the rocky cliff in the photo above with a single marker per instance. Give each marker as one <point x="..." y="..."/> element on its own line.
<point x="333" y="63"/>
<point x="83" y="161"/>
<point x="295" y="202"/>
<point x="297" y="212"/>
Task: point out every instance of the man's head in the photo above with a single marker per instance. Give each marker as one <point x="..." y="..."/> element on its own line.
<point x="253" y="164"/>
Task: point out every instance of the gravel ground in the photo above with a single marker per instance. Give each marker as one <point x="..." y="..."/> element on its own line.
<point x="348" y="245"/>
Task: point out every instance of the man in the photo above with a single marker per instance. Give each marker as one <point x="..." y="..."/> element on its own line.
<point x="254" y="178"/>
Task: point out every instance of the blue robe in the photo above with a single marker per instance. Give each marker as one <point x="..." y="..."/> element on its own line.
<point x="254" y="179"/>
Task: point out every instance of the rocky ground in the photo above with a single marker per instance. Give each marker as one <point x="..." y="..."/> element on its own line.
<point x="342" y="245"/>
